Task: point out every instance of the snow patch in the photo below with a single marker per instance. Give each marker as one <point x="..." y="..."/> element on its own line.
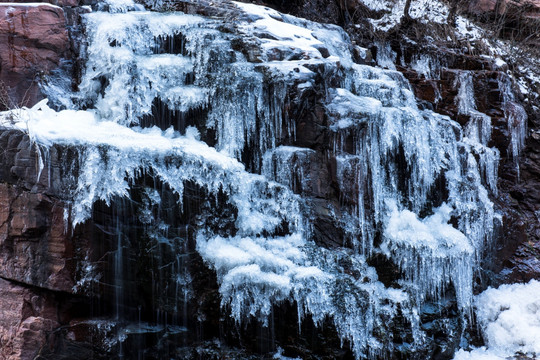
<point x="509" y="318"/>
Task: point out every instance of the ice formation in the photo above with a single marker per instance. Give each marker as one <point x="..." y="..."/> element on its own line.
<point x="394" y="171"/>
<point x="409" y="171"/>
<point x="424" y="11"/>
<point x="477" y="130"/>
<point x="516" y="119"/>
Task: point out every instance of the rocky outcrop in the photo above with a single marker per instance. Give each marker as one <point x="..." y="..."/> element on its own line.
<point x="27" y="320"/>
<point x="521" y="197"/>
<point x="34" y="246"/>
<point x="36" y="254"/>
<point x="33" y="39"/>
<point x="511" y="19"/>
<point x="61" y="3"/>
<point x="528" y="7"/>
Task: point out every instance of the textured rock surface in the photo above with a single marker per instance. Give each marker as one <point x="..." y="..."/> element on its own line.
<point x="39" y="255"/>
<point x="501" y="7"/>
<point x="33" y="39"/>
<point x="34" y="247"/>
<point x="522" y="199"/>
<point x="61" y="3"/>
<point x="27" y="319"/>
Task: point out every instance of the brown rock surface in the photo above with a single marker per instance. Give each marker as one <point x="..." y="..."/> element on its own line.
<point x="33" y="39"/>
<point x="26" y="321"/>
<point x="501" y="7"/>
<point x="33" y="246"/>
<point x="511" y="19"/>
<point x="522" y="263"/>
<point x="62" y="3"/>
<point x="38" y="254"/>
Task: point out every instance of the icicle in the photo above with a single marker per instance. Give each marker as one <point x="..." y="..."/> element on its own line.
<point x="477" y="131"/>
<point x="465" y="97"/>
<point x="427" y="65"/>
<point x="516" y="119"/>
<point x="386" y="57"/>
<point x="40" y="164"/>
<point x="289" y="166"/>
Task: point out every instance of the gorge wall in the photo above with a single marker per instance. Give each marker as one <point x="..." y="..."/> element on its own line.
<point x="153" y="244"/>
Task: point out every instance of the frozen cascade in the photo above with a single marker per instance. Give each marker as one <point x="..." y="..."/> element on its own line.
<point x="516" y="119"/>
<point x="395" y="171"/>
<point x="402" y="173"/>
<point x="254" y="271"/>
<point x="290" y="166"/>
<point x="125" y="72"/>
<point x="477" y="130"/>
<point x="428" y="66"/>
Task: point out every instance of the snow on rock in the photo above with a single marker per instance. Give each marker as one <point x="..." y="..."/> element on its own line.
<point x="441" y="253"/>
<point x="286" y="33"/>
<point x="425" y="11"/>
<point x="120" y="6"/>
<point x="255" y="273"/>
<point x="509" y="318"/>
<point x="348" y="109"/>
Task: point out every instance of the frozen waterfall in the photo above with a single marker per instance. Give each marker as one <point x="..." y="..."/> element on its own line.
<point x="192" y="101"/>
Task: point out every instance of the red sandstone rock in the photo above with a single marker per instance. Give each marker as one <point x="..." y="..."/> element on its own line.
<point x="61" y="3"/>
<point x="26" y="320"/>
<point x="492" y="6"/>
<point x="484" y="6"/>
<point x="33" y="246"/>
<point x="33" y="38"/>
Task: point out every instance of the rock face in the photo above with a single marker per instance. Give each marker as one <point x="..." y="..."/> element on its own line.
<point x="61" y="3"/>
<point x="34" y="247"/>
<point x="528" y="7"/>
<point x="37" y="253"/>
<point x="27" y="320"/>
<point x="517" y="20"/>
<point x="43" y="261"/>
<point x="33" y="39"/>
